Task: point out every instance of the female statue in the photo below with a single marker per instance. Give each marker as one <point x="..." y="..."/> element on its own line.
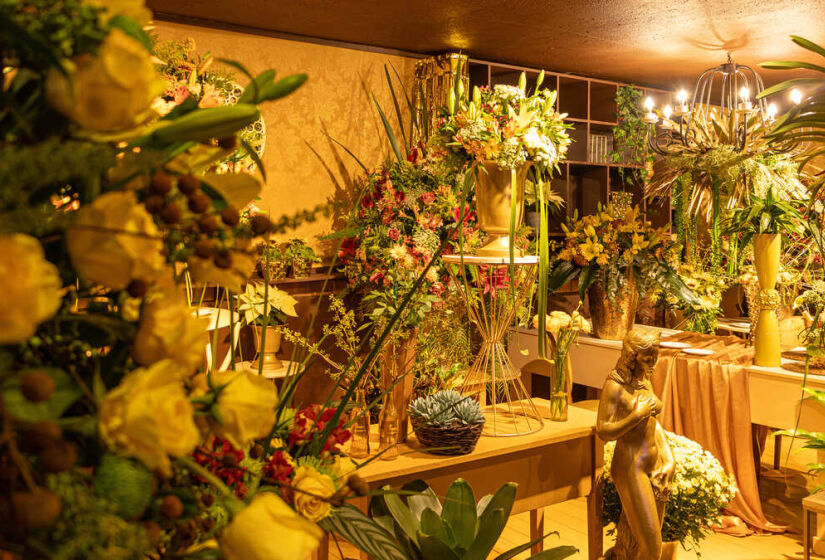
<point x="643" y="464"/>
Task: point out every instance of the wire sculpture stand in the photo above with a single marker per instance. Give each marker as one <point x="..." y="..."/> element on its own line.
<point x="493" y="290"/>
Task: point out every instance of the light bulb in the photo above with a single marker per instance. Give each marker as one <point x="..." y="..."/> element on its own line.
<point x="796" y="96"/>
<point x="744" y="93"/>
<point x="649" y="103"/>
<point x="681" y="97"/>
<point x="772" y="110"/>
<point x="667" y="111"/>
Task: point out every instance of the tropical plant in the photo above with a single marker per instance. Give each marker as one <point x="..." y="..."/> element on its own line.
<point x="700" y="490"/>
<point x="701" y="312"/>
<point x="445" y="407"/>
<point x="263" y="305"/>
<point x="298" y="249"/>
<point x="766" y="214"/>
<point x="425" y="529"/>
<point x="630" y="136"/>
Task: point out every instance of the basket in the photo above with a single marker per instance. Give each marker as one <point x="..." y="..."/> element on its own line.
<point x="460" y="438"/>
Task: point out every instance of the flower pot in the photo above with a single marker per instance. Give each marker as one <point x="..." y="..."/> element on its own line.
<point x="766" y="253"/>
<point x="397" y="360"/>
<point x="612" y="314"/>
<point x="277" y="270"/>
<point x="271" y="345"/>
<point x="493" y="197"/>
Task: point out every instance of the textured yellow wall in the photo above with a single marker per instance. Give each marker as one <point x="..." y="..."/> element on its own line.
<point x="304" y="168"/>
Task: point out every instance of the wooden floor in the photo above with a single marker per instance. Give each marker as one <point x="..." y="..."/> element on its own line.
<point x="782" y="493"/>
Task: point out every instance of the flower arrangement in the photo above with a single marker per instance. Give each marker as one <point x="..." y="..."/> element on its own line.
<point x="272" y="261"/>
<point x="505" y="125"/>
<point x="610" y="247"/>
<point x="701" y="488"/>
<point x="811" y="303"/>
<point x="263" y="305"/>
<point x="112" y="434"/>
<point x="408" y="214"/>
<point x="699" y="313"/>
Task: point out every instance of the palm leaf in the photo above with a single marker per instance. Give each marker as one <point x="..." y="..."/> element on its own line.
<point x="388" y="128"/>
<point x="363" y="533"/>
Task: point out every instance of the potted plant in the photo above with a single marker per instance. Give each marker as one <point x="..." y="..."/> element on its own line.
<point x="265" y="309"/>
<point x="272" y="262"/>
<point x="505" y="135"/>
<point x="553" y="201"/>
<point x="764" y="220"/>
<point x="615" y="257"/>
<point x="701" y="488"/>
<point x="301" y="256"/>
<point x="447" y="422"/>
<point x="419" y="526"/>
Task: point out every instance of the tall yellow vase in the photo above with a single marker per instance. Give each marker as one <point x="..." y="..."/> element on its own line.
<point x="766" y="251"/>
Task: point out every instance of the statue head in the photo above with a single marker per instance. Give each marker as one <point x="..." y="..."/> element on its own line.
<point x="640" y="351"/>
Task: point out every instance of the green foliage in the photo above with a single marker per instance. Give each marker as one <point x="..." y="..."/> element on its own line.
<point x="445" y="407"/>
<point x="768" y="215"/>
<point x="127" y="484"/>
<point x="630" y="135"/>
<point x="443" y="346"/>
<point x="421" y="528"/>
<point x="298" y="249"/>
<point x="66" y="392"/>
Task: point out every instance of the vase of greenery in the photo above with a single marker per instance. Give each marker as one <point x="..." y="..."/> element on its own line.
<point x="301" y="257"/>
<point x="265" y="308"/>
<point x="701" y="488"/>
<point x="764" y="221"/>
<point x="272" y="263"/>
<point x="564" y="330"/>
<point x="447" y="422"/>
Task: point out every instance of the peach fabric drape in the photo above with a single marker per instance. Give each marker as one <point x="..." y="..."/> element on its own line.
<point x="707" y="399"/>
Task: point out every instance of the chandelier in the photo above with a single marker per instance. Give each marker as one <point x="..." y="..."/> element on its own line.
<point x="724" y="96"/>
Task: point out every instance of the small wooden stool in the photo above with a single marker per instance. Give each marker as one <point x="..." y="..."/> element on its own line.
<point x="815" y="503"/>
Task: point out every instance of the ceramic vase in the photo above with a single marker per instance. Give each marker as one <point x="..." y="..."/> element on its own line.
<point x="613" y="315"/>
<point x="271" y="345"/>
<point x="494" y="193"/>
<point x="766" y="252"/>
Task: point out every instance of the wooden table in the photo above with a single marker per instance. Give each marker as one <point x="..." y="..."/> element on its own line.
<point x="560" y="462"/>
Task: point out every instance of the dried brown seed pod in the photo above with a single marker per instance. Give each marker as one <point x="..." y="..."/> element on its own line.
<point x="40" y="434"/>
<point x="223" y="259"/>
<point x="58" y="456"/>
<point x="207" y="499"/>
<point x="199" y="202"/>
<point x="161" y="183"/>
<point x="230" y="216"/>
<point x="171" y="507"/>
<point x="154" y="203"/>
<point x="260" y="224"/>
<point x="208" y="224"/>
<point x="357" y="485"/>
<point x="137" y="288"/>
<point x="153" y="532"/>
<point x="187" y="184"/>
<point x="36" y="509"/>
<point x="171" y="213"/>
<point x="37" y="386"/>
<point x="228" y="142"/>
<point x="205" y="248"/>
<point x="257" y="451"/>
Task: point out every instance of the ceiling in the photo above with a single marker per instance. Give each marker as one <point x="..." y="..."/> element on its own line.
<point x="655" y="43"/>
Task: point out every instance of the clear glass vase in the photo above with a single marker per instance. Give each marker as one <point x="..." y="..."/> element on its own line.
<point x="560" y="388"/>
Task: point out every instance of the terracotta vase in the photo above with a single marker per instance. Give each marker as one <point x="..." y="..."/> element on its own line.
<point x="272" y="343"/>
<point x="766" y="252"/>
<point x="396" y="364"/>
<point x="493" y="196"/>
<point x="612" y="315"/>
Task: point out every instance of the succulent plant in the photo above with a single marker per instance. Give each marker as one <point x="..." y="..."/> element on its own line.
<point x="442" y="408"/>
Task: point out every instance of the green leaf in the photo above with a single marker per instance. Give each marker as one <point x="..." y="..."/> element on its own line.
<point x="250" y="92"/>
<point x="806" y="44"/>
<point x="388" y="128"/>
<point x="791" y="64"/>
<point x="425" y="498"/>
<point x="65" y="394"/>
<point x="586" y="278"/>
<point x="787" y="84"/>
<point x="434" y="526"/>
<point x="133" y="29"/>
<point x="557" y="553"/>
<point x="253" y="153"/>
<point x="561" y="274"/>
<point x="489" y="530"/>
<point x="363" y="533"/>
<point x="402" y="515"/>
<point x="398" y="115"/>
<point x="434" y="549"/>
<point x="459" y="512"/>
<point x="281" y="88"/>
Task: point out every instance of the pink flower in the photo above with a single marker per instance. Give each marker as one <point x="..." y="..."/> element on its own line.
<point x="376" y="276"/>
<point x="428" y="197"/>
<point x="437" y="289"/>
<point x="468" y="214"/>
<point x="181" y="93"/>
<point x="394" y="234"/>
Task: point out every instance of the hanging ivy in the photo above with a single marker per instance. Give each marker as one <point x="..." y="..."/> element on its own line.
<point x="630" y="136"/>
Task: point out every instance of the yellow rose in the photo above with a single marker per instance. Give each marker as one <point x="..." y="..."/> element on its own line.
<point x="243" y="264"/>
<point x="310" y="486"/>
<point x="134" y="9"/>
<point x="149" y="416"/>
<point x="268" y="529"/>
<point x="168" y="329"/>
<point x="110" y="92"/>
<point x="343" y="467"/>
<point x="114" y="241"/>
<point x="246" y="406"/>
<point x="31" y="287"/>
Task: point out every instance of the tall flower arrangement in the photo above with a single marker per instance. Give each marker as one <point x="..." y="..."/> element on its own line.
<point x="113" y="443"/>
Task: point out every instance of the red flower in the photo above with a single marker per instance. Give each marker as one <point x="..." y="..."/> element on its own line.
<point x="468" y="214"/>
<point x="220" y="462"/>
<point x="414" y="154"/>
<point x="428" y="197"/>
<point x="278" y="467"/>
<point x="308" y="424"/>
<point x="437" y="289"/>
<point x="394" y="234"/>
<point x="347" y="250"/>
<point x="367" y="201"/>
